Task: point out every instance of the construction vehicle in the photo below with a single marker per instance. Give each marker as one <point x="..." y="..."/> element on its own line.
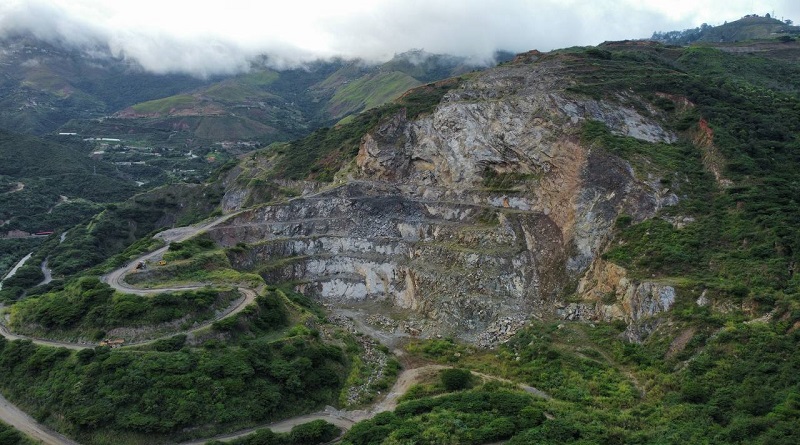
<point x="112" y="343"/>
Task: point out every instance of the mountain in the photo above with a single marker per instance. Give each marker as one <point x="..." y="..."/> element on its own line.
<point x="750" y="27"/>
<point x="47" y="88"/>
<point x="649" y="190"/>
<point x="43" y="86"/>
<point x="590" y="245"/>
<point x="268" y="105"/>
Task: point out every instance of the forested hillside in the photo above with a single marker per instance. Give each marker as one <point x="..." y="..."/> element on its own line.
<point x="594" y="245"/>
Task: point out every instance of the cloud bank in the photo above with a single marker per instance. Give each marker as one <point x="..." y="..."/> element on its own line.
<point x="222" y="37"/>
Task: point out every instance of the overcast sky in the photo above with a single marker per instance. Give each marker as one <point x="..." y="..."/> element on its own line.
<point x="220" y="36"/>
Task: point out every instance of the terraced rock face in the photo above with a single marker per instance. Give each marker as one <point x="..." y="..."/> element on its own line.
<point x="466" y="221"/>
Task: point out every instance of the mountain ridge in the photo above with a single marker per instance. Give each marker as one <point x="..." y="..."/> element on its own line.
<point x="611" y="224"/>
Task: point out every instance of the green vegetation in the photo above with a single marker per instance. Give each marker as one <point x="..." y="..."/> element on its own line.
<point x="744" y="29"/>
<point x="12" y="250"/>
<point x="87" y="307"/>
<point x="166" y="105"/>
<point x="369" y="92"/>
<point x="10" y="436"/>
<point x="269" y="314"/>
<point x="741" y="244"/>
<point x="507" y="182"/>
<point x="35" y="173"/>
<point x="197" y="260"/>
<point x="104" y="396"/>
<point x="65" y="85"/>
<point x="731" y="383"/>
<point x="703" y="376"/>
<point x="455" y="379"/>
<point x="484" y="415"/>
<point x="248" y="87"/>
<point x="320" y="155"/>
<point x="311" y="433"/>
<point x="162" y="393"/>
<point x="120" y="225"/>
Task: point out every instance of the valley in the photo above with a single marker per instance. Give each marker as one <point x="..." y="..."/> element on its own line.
<point x="585" y="245"/>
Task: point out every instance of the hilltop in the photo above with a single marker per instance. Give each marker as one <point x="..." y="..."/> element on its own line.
<point x="750" y="27"/>
<point x="601" y="239"/>
<point x="48" y="88"/>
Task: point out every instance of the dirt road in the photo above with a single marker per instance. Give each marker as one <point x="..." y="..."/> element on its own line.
<point x="343" y="419"/>
<point x="16" y="267"/>
<point x="116" y="278"/>
<point x="17" y="418"/>
<point x="249" y="298"/>
<point x="18" y="187"/>
<point x="283" y="426"/>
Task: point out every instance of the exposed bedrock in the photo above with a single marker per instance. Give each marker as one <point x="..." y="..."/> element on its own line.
<point x="487" y="211"/>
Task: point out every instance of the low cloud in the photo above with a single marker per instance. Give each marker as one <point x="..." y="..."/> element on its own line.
<point x="222" y="37"/>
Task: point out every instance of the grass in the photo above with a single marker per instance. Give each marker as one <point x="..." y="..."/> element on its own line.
<point x="248" y="87"/>
<point x="369" y="92"/>
<point x="166" y="105"/>
<point x="637" y="393"/>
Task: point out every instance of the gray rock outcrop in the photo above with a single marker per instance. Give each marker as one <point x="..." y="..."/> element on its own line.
<point x="471" y="219"/>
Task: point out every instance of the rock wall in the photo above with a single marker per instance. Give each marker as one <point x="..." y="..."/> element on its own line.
<point x="469" y="220"/>
<point x="608" y="294"/>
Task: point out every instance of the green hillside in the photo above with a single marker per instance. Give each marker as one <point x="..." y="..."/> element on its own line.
<point x="725" y="373"/>
<point x="167" y="105"/>
<point x="44" y="86"/>
<point x="270" y="106"/>
<point x="369" y="92"/>
<point x="719" y="367"/>
<point x="752" y="27"/>
<point x="10" y="436"/>
<point x="47" y="170"/>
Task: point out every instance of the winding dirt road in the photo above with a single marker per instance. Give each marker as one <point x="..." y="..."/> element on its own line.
<point x="17" y="418"/>
<point x="238" y="306"/>
<point x="18" y="187"/>
<point x="16" y="267"/>
<point x="116" y="279"/>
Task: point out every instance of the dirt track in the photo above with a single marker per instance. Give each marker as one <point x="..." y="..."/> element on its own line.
<point x="249" y="298"/>
<point x="343" y="419"/>
<point x="17" y="418"/>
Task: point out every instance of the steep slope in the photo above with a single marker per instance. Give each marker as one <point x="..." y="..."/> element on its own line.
<point x="466" y="220"/>
<point x="269" y="105"/>
<point x="44" y="86"/>
<point x="500" y="201"/>
<point x="616" y="222"/>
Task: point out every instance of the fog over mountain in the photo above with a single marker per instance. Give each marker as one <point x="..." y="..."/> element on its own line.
<point x="220" y="37"/>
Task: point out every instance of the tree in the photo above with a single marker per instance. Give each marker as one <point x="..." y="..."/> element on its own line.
<point x="456" y="379"/>
<point x="316" y="431"/>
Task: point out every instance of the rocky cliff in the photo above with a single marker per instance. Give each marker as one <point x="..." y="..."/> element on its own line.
<point x="473" y="218"/>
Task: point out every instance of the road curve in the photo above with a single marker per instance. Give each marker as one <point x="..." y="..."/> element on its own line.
<point x="343" y="419"/>
<point x="116" y="279"/>
<point x="17" y="418"/>
<point x="43" y="342"/>
<point x="249" y="297"/>
<point x="283" y="426"/>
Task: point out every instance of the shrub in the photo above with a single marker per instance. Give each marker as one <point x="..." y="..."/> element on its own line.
<point x="456" y="379"/>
